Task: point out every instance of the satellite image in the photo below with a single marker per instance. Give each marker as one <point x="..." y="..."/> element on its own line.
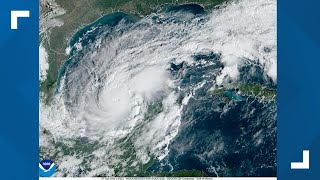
<point x="168" y="88"/>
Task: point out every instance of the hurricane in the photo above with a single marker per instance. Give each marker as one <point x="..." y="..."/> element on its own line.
<point x="182" y="89"/>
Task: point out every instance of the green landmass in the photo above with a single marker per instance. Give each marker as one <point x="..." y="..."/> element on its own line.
<point x="82" y="12"/>
<point x="236" y="91"/>
<point x="257" y="90"/>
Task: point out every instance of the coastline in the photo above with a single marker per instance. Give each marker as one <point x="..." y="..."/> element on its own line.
<point x="57" y="37"/>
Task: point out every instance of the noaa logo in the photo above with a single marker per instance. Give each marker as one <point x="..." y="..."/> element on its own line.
<point x="46" y="168"/>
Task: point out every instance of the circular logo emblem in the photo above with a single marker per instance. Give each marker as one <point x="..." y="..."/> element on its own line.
<point x="46" y="168"/>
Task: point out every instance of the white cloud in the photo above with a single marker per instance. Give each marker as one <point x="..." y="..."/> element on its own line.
<point x="43" y="63"/>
